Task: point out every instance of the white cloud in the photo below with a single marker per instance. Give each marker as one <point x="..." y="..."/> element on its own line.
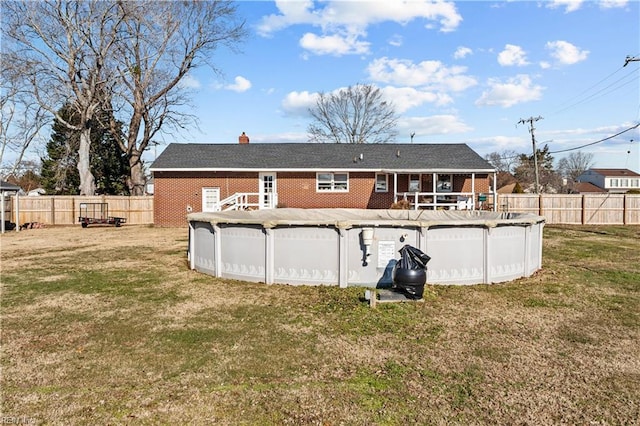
<point x="240" y="84"/>
<point x="396" y="40"/>
<point x="432" y="75"/>
<point x="333" y="44"/>
<point x="402" y="98"/>
<point x="566" y="53"/>
<point x="405" y="98"/>
<point x="190" y="82"/>
<point x="359" y="14"/>
<point x="500" y="143"/>
<point x="462" y="52"/>
<point x="298" y="103"/>
<point x="432" y="125"/>
<point x="291" y="13"/>
<point x="568" y="5"/>
<point x="350" y="18"/>
<point x="512" y="55"/>
<point x="611" y="4"/>
<point x="515" y="90"/>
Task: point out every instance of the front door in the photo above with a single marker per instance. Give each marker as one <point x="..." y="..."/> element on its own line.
<point x="268" y="193"/>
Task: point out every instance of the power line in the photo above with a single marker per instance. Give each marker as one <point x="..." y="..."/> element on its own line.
<point x="512" y="157"/>
<point x="585" y="91"/>
<point x="600" y="93"/>
<point x="596" y="142"/>
<point x="630" y="59"/>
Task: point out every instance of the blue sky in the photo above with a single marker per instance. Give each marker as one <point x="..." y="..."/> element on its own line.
<point x="456" y="72"/>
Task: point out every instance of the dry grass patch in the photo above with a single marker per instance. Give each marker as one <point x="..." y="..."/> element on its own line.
<point x="108" y="325"/>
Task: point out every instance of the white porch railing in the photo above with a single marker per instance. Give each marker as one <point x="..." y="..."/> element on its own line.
<point x="247" y="200"/>
<point x="434" y="200"/>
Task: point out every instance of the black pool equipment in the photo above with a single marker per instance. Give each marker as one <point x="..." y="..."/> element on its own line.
<point x="409" y="273"/>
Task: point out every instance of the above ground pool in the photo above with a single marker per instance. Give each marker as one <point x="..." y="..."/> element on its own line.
<point x="353" y="247"/>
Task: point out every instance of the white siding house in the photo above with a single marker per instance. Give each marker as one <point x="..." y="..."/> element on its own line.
<point x="612" y="180"/>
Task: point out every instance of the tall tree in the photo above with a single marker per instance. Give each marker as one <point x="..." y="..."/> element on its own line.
<point x="159" y="43"/>
<point x="504" y="162"/>
<point x="108" y="164"/>
<point x="60" y="165"/>
<point x="357" y="114"/>
<point x="60" y="49"/>
<point x="574" y="164"/>
<point x="22" y="120"/>
<point x="550" y="180"/>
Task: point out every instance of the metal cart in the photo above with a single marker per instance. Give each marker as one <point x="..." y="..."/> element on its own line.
<point x="98" y="213"/>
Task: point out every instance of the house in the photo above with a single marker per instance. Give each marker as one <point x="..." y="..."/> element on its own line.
<point x="214" y="177"/>
<point x="611" y="180"/>
<point x="6" y="189"/>
<point x="587" y="188"/>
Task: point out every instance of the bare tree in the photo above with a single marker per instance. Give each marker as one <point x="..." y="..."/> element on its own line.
<point x="574" y="164"/>
<point x="22" y="121"/>
<point x="357" y="114"/>
<point x="159" y="43"/>
<point x="505" y="163"/>
<point x="60" y="49"/>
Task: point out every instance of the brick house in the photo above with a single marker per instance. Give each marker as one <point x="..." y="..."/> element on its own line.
<point x="214" y="177"/>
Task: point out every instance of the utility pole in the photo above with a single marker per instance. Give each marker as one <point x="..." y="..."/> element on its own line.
<point x="531" y="120"/>
<point x="630" y="59"/>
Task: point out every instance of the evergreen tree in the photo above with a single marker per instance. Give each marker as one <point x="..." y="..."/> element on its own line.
<point x="108" y="163"/>
<point x="550" y="180"/>
<point x="59" y="170"/>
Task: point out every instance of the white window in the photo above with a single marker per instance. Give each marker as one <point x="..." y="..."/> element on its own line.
<point x="382" y="183"/>
<point x="210" y="199"/>
<point x="444" y="183"/>
<point x="332" y="182"/>
<point x="414" y="183"/>
<point x="613" y="183"/>
<point x="624" y="183"/>
<point x="635" y="183"/>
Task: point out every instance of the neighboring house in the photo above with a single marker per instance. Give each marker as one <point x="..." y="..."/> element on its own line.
<point x="214" y="177"/>
<point x="586" y="188"/>
<point x="611" y="180"/>
<point x="507" y="189"/>
<point x="36" y="192"/>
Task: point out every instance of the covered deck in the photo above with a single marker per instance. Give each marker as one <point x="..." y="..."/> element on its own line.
<point x="445" y="189"/>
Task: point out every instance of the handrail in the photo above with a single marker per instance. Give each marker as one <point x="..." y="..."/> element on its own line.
<point x="463" y="200"/>
<point x="240" y="201"/>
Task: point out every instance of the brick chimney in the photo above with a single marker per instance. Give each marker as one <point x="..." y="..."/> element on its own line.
<point x="243" y="138"/>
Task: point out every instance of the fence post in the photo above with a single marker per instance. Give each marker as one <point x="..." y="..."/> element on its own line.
<point x="624" y="209"/>
<point x="540" y="209"/>
<point x="584" y="213"/>
<point x="53" y="210"/>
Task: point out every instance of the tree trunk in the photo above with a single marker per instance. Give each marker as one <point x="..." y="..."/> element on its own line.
<point x="87" y="181"/>
<point x="137" y="180"/>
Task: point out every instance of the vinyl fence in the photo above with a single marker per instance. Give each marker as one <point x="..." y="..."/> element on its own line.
<point x="582" y="209"/>
<point x="65" y="209"/>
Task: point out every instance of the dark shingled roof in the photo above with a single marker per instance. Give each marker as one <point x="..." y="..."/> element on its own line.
<point x="315" y="156"/>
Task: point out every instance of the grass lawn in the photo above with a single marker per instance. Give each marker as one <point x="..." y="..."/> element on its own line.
<point x="108" y="325"/>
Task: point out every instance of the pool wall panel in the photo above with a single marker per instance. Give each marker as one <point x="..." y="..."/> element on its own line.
<point x="297" y="254"/>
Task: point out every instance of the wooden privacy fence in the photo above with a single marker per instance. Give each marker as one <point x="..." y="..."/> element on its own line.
<point x="582" y="209"/>
<point x="65" y="209"/>
<point x="587" y="209"/>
